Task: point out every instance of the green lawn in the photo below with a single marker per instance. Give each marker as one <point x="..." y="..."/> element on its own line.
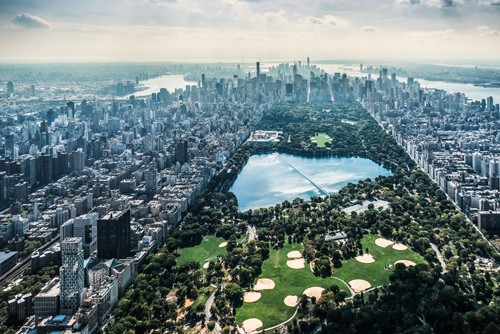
<point x="208" y="249"/>
<point x="270" y="308"/>
<point x="321" y="139"/>
<point x="375" y="272"/>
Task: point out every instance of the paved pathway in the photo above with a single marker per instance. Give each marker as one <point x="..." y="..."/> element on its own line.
<point x="440" y="258"/>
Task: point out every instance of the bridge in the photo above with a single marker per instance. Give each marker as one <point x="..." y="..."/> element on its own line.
<point x="317" y="186"/>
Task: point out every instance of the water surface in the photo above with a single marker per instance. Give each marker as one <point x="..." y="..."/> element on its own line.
<point x="269" y="179"/>
<point x="170" y="82"/>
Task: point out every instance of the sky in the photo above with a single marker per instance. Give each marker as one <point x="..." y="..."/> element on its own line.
<point x="248" y="30"/>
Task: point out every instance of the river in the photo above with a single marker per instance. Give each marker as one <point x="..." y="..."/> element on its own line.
<point x="470" y="91"/>
<point x="170" y="82"/>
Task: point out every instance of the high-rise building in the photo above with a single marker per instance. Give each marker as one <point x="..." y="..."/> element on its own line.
<point x="113" y="235"/>
<point x="181" y="152"/>
<point x="151" y="180"/>
<point x="9" y="145"/>
<point x="85" y="227"/>
<point x="308" y="62"/>
<point x="490" y="105"/>
<point x="10" y="88"/>
<point x="46" y="168"/>
<point x="72" y="275"/>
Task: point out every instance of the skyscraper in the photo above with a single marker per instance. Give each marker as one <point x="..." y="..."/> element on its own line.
<point x="10" y="88"/>
<point x="113" y="235"/>
<point x="9" y="145"/>
<point x="151" y="180"/>
<point x="181" y="152"/>
<point x="72" y="274"/>
<point x="257" y="80"/>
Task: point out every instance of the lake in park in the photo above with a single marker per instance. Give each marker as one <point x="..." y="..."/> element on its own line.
<point x="269" y="179"/>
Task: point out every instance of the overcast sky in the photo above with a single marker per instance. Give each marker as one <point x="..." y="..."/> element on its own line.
<point x="144" y="30"/>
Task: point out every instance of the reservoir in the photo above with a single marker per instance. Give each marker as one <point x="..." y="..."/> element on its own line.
<point x="270" y="179"/>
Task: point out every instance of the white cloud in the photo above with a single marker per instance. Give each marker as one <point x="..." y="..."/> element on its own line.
<point x="274" y="17"/>
<point x="487" y="31"/>
<point x="27" y="20"/>
<point x="431" y="3"/>
<point x="407" y="2"/>
<point x="447" y="33"/>
<point x="368" y="29"/>
<point x="325" y="20"/>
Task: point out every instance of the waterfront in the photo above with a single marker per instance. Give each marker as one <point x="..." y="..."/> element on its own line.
<point x="472" y="92"/>
<point x="269" y="179"/>
<point x="170" y="82"/>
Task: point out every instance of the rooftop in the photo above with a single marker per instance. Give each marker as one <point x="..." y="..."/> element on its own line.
<point x="7" y="255"/>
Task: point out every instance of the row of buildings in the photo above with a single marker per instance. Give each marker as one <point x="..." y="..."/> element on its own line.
<point x="104" y="183"/>
<point x="456" y="141"/>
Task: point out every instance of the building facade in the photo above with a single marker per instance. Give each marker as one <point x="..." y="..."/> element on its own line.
<point x="72" y="274"/>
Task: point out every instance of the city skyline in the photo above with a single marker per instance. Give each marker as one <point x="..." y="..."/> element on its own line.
<point x="188" y="30"/>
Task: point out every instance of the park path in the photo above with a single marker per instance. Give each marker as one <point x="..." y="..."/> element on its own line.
<point x="208" y="314"/>
<point x="439" y="257"/>
<point x="334" y="277"/>
<point x="251" y="232"/>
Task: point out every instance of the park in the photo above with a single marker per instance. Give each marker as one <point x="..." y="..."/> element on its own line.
<point x="286" y="277"/>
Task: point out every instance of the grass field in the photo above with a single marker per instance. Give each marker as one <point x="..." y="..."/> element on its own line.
<point x="208" y="249"/>
<point x="375" y="272"/>
<point x="270" y="308"/>
<point x="321" y="139"/>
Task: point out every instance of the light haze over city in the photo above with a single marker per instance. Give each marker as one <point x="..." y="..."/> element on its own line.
<point x="190" y="30"/>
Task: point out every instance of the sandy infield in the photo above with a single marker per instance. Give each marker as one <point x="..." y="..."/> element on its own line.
<point x="315" y="291"/>
<point x="205" y="265"/>
<point x="381" y="242"/>
<point x="365" y="258"/>
<point x="264" y="284"/>
<point x="407" y="263"/>
<point x="294" y="255"/>
<point x="252" y="296"/>
<point x="296" y="264"/>
<point x="250" y="325"/>
<point x="359" y="285"/>
<point x="399" y="246"/>
<point x="223" y="244"/>
<point x="291" y="301"/>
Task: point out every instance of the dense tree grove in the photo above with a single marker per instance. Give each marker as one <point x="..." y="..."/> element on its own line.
<point x="421" y="299"/>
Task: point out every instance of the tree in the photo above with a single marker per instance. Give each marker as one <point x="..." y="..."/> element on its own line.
<point x="234" y="293"/>
<point x="340" y="297"/>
